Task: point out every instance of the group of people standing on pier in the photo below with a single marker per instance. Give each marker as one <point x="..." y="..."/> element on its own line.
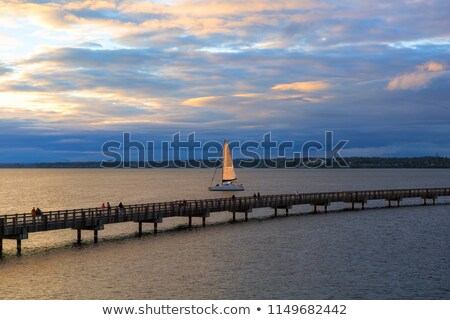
<point x="107" y="208"/>
<point x="36" y="213"/>
<point x="255" y="196"/>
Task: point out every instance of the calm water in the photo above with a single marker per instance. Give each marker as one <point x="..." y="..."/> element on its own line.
<point x="400" y="253"/>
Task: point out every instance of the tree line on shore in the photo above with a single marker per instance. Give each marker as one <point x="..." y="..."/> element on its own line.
<point x="346" y="162"/>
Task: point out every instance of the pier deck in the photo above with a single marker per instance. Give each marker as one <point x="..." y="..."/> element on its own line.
<point x="18" y="226"/>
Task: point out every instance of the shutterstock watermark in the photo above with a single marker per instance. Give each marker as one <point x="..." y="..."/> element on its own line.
<point x="179" y="152"/>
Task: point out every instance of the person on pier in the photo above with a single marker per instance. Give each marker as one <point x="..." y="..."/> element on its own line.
<point x="121" y="209"/>
<point x="38" y="213"/>
<point x="33" y="212"/>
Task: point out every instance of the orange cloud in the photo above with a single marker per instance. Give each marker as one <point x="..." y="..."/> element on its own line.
<point x="306" y="86"/>
<point x="247" y="95"/>
<point x="288" y="97"/>
<point x="431" y="67"/>
<point x="199" y="102"/>
<point x="418" y="79"/>
<point x="237" y="7"/>
<point x="91" y="4"/>
<point x="413" y="80"/>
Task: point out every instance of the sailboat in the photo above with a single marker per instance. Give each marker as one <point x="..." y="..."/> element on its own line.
<point x="229" y="181"/>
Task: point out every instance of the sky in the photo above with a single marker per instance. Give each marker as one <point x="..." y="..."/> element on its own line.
<point x="76" y="74"/>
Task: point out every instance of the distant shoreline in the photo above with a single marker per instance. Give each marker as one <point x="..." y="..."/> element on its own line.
<point x="353" y="163"/>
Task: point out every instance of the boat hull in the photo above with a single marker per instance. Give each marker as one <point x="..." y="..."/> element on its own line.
<point x="227" y="187"/>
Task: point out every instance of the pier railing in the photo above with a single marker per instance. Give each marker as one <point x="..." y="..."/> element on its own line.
<point x="17" y="226"/>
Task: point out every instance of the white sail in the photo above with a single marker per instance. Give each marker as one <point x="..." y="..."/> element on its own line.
<point x="229" y="182"/>
<point x="228" y="173"/>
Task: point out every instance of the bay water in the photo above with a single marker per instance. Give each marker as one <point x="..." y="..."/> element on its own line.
<point x="378" y="253"/>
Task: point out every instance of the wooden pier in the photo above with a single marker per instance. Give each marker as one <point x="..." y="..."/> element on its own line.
<point x="18" y="226"/>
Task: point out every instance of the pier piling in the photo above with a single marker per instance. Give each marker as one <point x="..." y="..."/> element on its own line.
<point x="19" y="246"/>
<point x="78" y="236"/>
<point x="2" y="223"/>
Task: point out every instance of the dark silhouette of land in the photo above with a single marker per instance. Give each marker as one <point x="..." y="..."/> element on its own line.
<point x="353" y="162"/>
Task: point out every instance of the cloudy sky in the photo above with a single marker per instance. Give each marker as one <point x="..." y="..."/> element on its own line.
<point x="75" y="74"/>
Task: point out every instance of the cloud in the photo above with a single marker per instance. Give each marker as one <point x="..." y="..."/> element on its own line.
<point x="4" y="69"/>
<point x="91" y="45"/>
<point x="247" y="95"/>
<point x="94" y="58"/>
<point x="90" y="4"/>
<point x="288" y="97"/>
<point x="200" y="102"/>
<point x="418" y="79"/>
<point x="306" y="86"/>
<point x="7" y="43"/>
<point x="412" y="80"/>
<point x="431" y="67"/>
